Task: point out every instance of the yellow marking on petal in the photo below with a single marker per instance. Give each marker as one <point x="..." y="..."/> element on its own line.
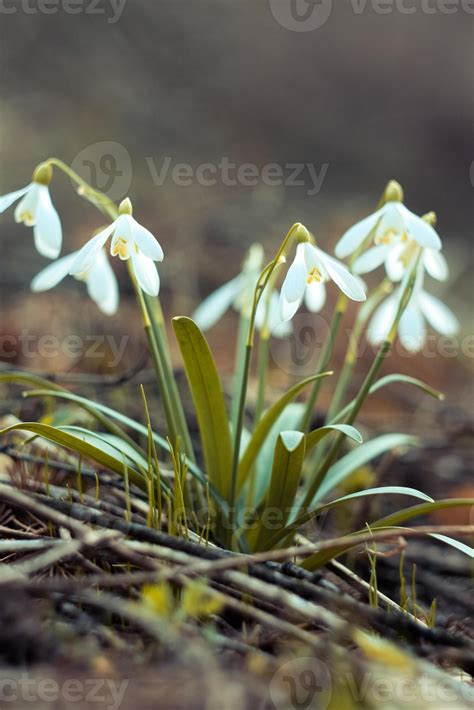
<point x="387" y="237"/>
<point x="408" y="254"/>
<point x="27" y="218"/>
<point x="314" y="275"/>
<point x="120" y="248"/>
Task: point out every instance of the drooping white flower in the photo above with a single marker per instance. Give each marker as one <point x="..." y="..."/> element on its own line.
<point x="238" y="293"/>
<point x="130" y="240"/>
<point x="397" y="258"/>
<point x="306" y="277"/>
<point x="99" y="278"/>
<point x="422" y="308"/>
<point x="392" y="224"/>
<point x="36" y="210"/>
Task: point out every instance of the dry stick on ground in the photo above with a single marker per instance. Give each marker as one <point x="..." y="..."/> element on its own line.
<point x="88" y="537"/>
<point x="141" y="532"/>
<point x="213" y="567"/>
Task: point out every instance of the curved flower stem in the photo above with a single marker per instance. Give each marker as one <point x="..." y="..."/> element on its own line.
<point x="259" y="289"/>
<point x="244" y="322"/>
<point x="157" y="361"/>
<point x="96" y="197"/>
<point x="155" y="313"/>
<point x="366" y="385"/>
<point x="153" y="321"/>
<point x="350" y="358"/>
<point x="263" y="353"/>
<point x="326" y="352"/>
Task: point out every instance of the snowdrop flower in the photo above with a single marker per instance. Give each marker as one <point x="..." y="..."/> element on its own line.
<point x="36" y="210"/>
<point x="130" y="240"/>
<point x="306" y="277"/>
<point x="401" y="257"/>
<point x="393" y="223"/>
<point x="422" y="308"/>
<point x="238" y="293"/>
<point x="100" y="280"/>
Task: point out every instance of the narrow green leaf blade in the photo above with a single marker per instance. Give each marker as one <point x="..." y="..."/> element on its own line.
<point x="81" y="447"/>
<point x="381" y="490"/>
<point x="389" y="380"/>
<point x="395" y="520"/>
<point x="208" y="398"/>
<point x="265" y="424"/>
<point x="286" y="473"/>
<point x="359" y="457"/>
<point x="314" y="437"/>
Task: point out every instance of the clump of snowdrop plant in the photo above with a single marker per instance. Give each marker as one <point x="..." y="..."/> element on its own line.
<point x="256" y="457"/>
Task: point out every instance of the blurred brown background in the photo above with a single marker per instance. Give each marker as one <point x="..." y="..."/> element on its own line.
<point x="123" y="89"/>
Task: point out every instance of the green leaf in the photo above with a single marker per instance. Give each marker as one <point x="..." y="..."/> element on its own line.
<point x="382" y="490"/>
<point x="81" y="447"/>
<point x="208" y="398"/>
<point x="359" y="457"/>
<point x="286" y="473"/>
<point x="389" y="380"/>
<point x="109" y="443"/>
<point x="264" y="426"/>
<point x="98" y="411"/>
<point x="257" y="483"/>
<point x="314" y="437"/>
<point x="394" y="520"/>
<point x="461" y="546"/>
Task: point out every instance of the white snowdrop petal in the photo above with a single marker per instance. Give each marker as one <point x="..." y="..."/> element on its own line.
<point x="278" y="327"/>
<point x="53" y="274"/>
<point x="412" y="328"/>
<point x="295" y="280"/>
<point x="85" y="257"/>
<point x="7" y="200"/>
<point x="392" y="223"/>
<point x="25" y="211"/>
<point x="102" y="285"/>
<point x="371" y="259"/>
<point x="146" y="241"/>
<point x="382" y="320"/>
<point x="217" y="303"/>
<point x="146" y="273"/>
<point x="315" y="296"/>
<point x="439" y="316"/>
<point x="342" y="277"/>
<point x="421" y="231"/>
<point x="435" y="264"/>
<point x="393" y="265"/>
<point x="288" y="308"/>
<point x="47" y="229"/>
<point x="123" y="232"/>
<point x="355" y="235"/>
